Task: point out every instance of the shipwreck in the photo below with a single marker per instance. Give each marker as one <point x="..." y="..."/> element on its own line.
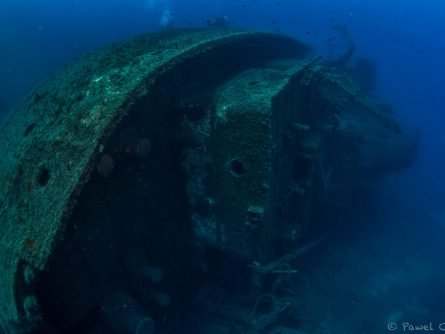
<point x="169" y="175"/>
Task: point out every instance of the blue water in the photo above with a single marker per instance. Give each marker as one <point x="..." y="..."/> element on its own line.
<point x="404" y="39"/>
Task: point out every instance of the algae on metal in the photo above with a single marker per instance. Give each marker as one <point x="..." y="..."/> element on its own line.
<point x="204" y="155"/>
<point x="51" y="140"/>
<point x="239" y="148"/>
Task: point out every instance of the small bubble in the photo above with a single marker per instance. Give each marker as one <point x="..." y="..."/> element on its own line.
<point x="105" y="165"/>
<point x="143" y="147"/>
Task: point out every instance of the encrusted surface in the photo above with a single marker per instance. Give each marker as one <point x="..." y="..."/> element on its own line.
<point x="49" y="143"/>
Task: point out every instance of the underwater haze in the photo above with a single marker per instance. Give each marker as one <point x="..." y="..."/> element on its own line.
<point x="376" y="266"/>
